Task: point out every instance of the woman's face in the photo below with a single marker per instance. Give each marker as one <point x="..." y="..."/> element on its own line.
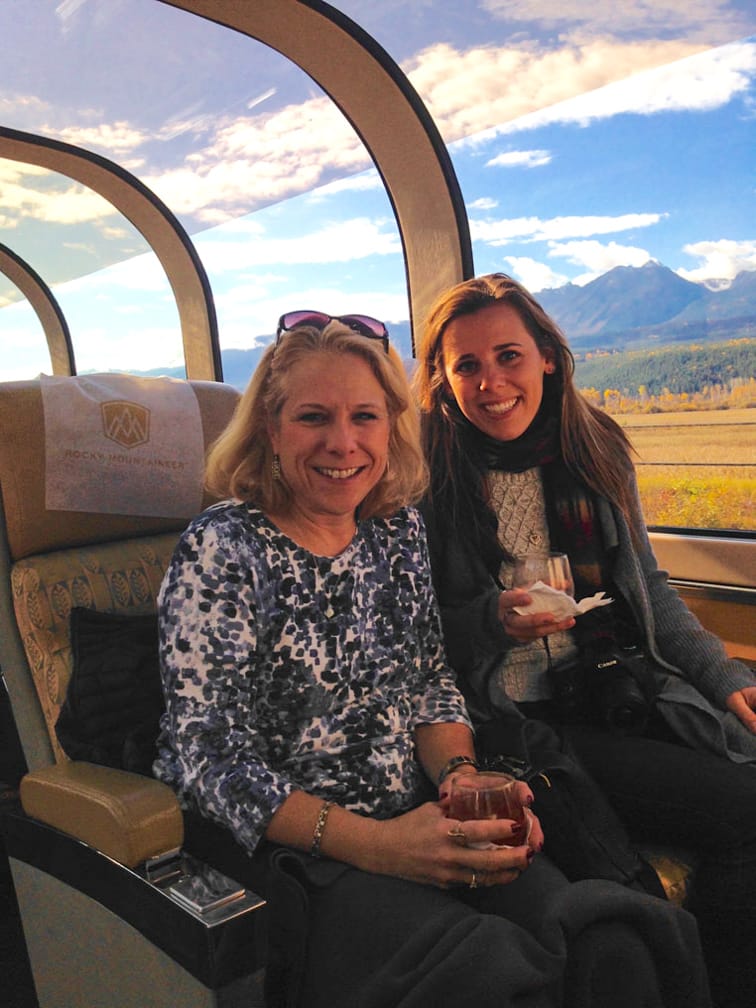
<point x="332" y="435"/>
<point x="494" y="370"/>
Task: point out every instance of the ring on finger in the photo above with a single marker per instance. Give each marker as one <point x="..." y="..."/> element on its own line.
<point x="457" y="833"/>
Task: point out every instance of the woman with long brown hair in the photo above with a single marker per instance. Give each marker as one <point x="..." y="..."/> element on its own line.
<point x="636" y="690"/>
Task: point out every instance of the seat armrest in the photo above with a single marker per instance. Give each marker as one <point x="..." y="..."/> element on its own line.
<point x="126" y="816"/>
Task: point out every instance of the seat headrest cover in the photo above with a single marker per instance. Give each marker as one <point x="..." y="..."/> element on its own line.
<point x="122" y="444"/>
<point x="31" y="527"/>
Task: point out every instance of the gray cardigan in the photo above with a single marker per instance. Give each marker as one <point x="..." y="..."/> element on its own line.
<point x="694" y="673"/>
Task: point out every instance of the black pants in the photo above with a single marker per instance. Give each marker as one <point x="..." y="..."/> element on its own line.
<point x="539" y="942"/>
<point x="665" y="791"/>
<point x="342" y="938"/>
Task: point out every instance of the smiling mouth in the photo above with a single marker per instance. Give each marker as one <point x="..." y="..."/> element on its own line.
<point x="499" y="408"/>
<point x="339" y="474"/>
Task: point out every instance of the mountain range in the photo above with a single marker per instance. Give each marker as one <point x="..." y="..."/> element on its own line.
<point x="628" y="308"/>
<point x="629" y="305"/>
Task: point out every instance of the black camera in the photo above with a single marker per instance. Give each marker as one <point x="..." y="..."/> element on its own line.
<point x="622" y="689"/>
<point x="612" y="687"/>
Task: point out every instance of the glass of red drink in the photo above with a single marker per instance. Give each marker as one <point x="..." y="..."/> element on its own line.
<point x="488" y="795"/>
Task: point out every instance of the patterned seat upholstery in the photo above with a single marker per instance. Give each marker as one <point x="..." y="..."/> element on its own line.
<point x="121" y="577"/>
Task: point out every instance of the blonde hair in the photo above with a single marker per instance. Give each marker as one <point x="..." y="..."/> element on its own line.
<point x="240" y="463"/>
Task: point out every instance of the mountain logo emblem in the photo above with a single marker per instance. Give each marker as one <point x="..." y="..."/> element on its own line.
<point x="126" y="423"/>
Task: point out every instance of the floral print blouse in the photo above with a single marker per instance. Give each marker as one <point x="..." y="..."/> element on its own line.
<point x="287" y="671"/>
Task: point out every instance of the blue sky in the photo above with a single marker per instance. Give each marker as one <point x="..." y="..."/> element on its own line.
<point x="579" y="145"/>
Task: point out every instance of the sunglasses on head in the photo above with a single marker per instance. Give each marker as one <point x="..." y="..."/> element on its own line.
<point x="362" y="324"/>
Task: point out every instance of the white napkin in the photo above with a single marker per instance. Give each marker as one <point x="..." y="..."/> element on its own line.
<point x="548" y="599"/>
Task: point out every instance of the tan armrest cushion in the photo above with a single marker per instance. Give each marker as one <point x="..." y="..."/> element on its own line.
<point x="128" y="817"/>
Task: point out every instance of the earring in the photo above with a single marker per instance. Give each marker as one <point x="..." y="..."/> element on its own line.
<point x="275" y="469"/>
<point x="550" y="368"/>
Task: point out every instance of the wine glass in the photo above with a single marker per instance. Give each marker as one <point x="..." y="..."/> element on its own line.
<point x="551" y="568"/>
<point x="488" y="795"/>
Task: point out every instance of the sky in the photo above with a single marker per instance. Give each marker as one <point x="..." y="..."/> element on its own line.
<point x="583" y="136"/>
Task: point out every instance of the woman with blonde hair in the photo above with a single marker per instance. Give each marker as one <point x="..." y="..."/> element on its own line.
<point x="313" y="727"/>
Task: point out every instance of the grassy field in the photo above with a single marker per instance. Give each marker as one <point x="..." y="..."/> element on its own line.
<point x="696" y="469"/>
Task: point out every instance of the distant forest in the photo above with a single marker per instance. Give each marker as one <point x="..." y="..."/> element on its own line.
<point x="693" y="369"/>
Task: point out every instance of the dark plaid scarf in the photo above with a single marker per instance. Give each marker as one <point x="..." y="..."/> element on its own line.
<point x="570" y="511"/>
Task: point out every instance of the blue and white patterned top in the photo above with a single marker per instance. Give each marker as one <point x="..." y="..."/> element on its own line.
<point x="287" y="671"/>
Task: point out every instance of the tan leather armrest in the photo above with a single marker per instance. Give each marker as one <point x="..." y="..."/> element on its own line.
<point x="126" y="816"/>
<point x="673" y="865"/>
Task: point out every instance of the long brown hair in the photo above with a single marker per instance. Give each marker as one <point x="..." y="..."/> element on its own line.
<point x="594" y="447"/>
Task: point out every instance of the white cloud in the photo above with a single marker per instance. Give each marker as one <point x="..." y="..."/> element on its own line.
<point x="24" y="111"/>
<point x="143" y="321"/>
<point x="368" y="181"/>
<point x="123" y="316"/>
<point x="245" y="318"/>
<point x="720" y="260"/>
<point x="23" y="347"/>
<point x="246" y="161"/>
<point x="262" y="159"/>
<point x="252" y="160"/>
<point x="536" y="276"/>
<point x="249" y="161"/>
<point x="138" y="343"/>
<point x="142" y="273"/>
<point x="243" y="227"/>
<point x="474" y="90"/>
<point x="484" y="203"/>
<point x="597" y="257"/>
<point x="13" y="172"/>
<point x="119" y="138"/>
<point x="700" y="82"/>
<point x="502" y="232"/>
<point x="339" y="242"/>
<point x="520" y="159"/>
<point x="29" y="191"/>
<point x="709" y="20"/>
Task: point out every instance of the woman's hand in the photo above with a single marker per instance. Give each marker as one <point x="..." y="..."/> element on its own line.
<point x="444" y="788"/>
<point x="424" y="846"/>
<point x="524" y="796"/>
<point x="531" y="626"/>
<point x="742" y="703"/>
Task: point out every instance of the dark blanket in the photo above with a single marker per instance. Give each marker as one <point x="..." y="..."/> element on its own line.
<point x="341" y="938"/>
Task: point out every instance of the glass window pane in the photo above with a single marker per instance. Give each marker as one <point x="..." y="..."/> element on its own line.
<point x="565" y="128"/>
<point x="23" y="347"/>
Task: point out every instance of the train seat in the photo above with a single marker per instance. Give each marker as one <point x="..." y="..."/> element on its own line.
<point x="98" y="476"/>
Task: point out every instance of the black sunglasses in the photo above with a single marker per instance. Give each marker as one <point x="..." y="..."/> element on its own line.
<point x="363" y="324"/>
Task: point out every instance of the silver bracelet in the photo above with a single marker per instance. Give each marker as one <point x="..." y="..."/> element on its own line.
<point x="320" y="824"/>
